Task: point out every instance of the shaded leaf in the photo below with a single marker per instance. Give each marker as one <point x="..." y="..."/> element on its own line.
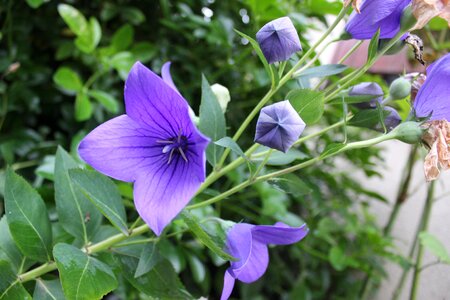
<point x="102" y="191"/>
<point x="331" y="149"/>
<point x="27" y="218"/>
<point x="367" y="118"/>
<point x="373" y="46"/>
<point x="8" y="247"/>
<point x="308" y="103"/>
<point x="67" y="79"/>
<point x="321" y="71"/>
<point x="73" y="18"/>
<point x="435" y="246"/>
<point x="228" y="142"/>
<point x="105" y="99"/>
<point x="10" y="287"/>
<point x="149" y="258"/>
<point x="83" y="107"/>
<point x="123" y="38"/>
<point x="48" y="290"/>
<point x="278" y="158"/>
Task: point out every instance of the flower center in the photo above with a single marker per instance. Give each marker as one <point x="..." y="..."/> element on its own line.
<point x="177" y="145"/>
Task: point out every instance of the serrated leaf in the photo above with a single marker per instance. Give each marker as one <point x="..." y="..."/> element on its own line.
<point x="82" y="276"/>
<point x="331" y="149"/>
<point x="103" y="193"/>
<point x="27" y="218"/>
<point x="123" y="38"/>
<point x="308" y="103"/>
<point x="48" y="290"/>
<point x="321" y="71"/>
<point x="373" y="46"/>
<point x="260" y="54"/>
<point x="105" y="99"/>
<point x="8" y="246"/>
<point x="67" y="79"/>
<point x="10" y="287"/>
<point x="203" y="237"/>
<point x="83" y="107"/>
<point x="77" y="215"/>
<point x="435" y="246"/>
<point x="149" y="258"/>
<point x="212" y="122"/>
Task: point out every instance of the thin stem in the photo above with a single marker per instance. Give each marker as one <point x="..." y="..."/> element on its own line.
<point x="283" y="81"/>
<point x="351" y="51"/>
<point x="263" y="163"/>
<point x="426" y="218"/>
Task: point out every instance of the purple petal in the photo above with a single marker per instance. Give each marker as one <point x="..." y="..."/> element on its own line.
<point x="239" y="243"/>
<point x="279" y="126"/>
<point x="393" y="119"/>
<point x="119" y="148"/>
<point x="376" y="14"/>
<point x="228" y="285"/>
<point x="279" y="234"/>
<point x="278" y="40"/>
<point x="165" y="74"/>
<point x="434" y="95"/>
<point x="154" y="104"/>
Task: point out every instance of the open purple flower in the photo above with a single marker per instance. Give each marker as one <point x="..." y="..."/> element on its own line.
<point x="367" y="89"/>
<point x="278" y="40"/>
<point x="279" y="126"/>
<point x="155" y="145"/>
<point x="248" y="243"/>
<point x="433" y="98"/>
<point x="375" y="14"/>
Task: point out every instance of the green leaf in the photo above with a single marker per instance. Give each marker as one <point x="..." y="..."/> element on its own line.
<point x="83" y="107"/>
<point x="337" y="258"/>
<point x="122" y="62"/>
<point x="35" y="3"/>
<point x="204" y="237"/>
<point x="48" y="290"/>
<point x="102" y="191"/>
<point x="308" y="103"/>
<point x="212" y="122"/>
<point x="88" y="40"/>
<point x="373" y="46"/>
<point x="123" y="38"/>
<point x="27" y="218"/>
<point x="149" y="258"/>
<point x="278" y="158"/>
<point x="331" y="149"/>
<point x="105" y="99"/>
<point x="291" y="183"/>
<point x="67" y="79"/>
<point x="77" y="215"/>
<point x="82" y="276"/>
<point x="260" y="54"/>
<point x="8" y="247"/>
<point x="73" y="18"/>
<point x="228" y="142"/>
<point x="160" y="282"/>
<point x="435" y="246"/>
<point x="47" y="168"/>
<point x="144" y="51"/>
<point x="197" y="268"/>
<point x="367" y="118"/>
<point x="10" y="287"/>
<point x="321" y="71"/>
<point x="352" y="99"/>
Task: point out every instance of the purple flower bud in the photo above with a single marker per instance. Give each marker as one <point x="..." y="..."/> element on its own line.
<point x="392" y="119"/>
<point x="382" y="14"/>
<point x="278" y="40"/>
<point x="279" y="126"/>
<point x="433" y="98"/>
<point x="367" y="88"/>
<point x="248" y="243"/>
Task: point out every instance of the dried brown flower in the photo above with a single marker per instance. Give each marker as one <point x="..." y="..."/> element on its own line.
<point x="437" y="138"/>
<point x="355" y="3"/>
<point x="425" y="10"/>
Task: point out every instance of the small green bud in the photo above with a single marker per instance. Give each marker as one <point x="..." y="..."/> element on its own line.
<point x="408" y="132"/>
<point x="408" y="19"/>
<point x="400" y="88"/>
<point x="222" y="94"/>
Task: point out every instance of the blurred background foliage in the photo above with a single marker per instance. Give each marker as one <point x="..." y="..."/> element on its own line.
<point x="62" y="73"/>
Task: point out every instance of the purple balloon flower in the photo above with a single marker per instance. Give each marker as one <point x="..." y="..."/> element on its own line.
<point x="433" y="98"/>
<point x="155" y="145"/>
<point x="278" y="40"/>
<point x="248" y="243"/>
<point x="367" y="88"/>
<point x="383" y="14"/>
<point x="279" y="126"/>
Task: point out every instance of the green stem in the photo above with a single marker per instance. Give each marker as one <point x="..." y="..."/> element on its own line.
<point x="426" y="218"/>
<point x="263" y="163"/>
<point x="283" y="81"/>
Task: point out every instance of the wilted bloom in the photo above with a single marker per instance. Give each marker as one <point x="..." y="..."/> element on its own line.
<point x="382" y="14"/>
<point x="417" y="80"/>
<point x="355" y="3"/>
<point x="367" y="89"/>
<point x="278" y="40"/>
<point x="248" y="243"/>
<point x="222" y="95"/>
<point x="279" y="126"/>
<point x="433" y="101"/>
<point x="155" y="145"/>
<point x="425" y="10"/>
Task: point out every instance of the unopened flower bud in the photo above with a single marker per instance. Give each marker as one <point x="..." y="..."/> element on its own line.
<point x="222" y="95"/>
<point x="408" y="132"/>
<point x="400" y="88"/>
<point x="369" y="89"/>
